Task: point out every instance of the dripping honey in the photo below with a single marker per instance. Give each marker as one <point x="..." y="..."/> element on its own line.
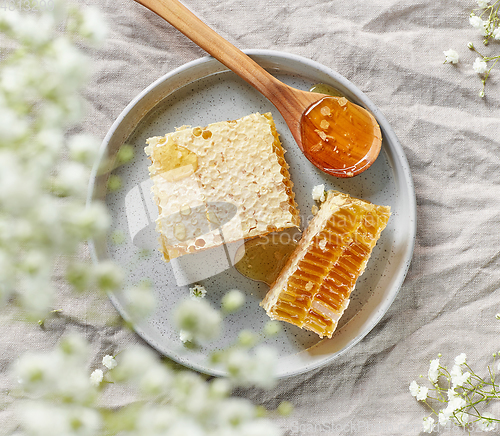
<point x="323" y="88"/>
<point x="263" y="258"/>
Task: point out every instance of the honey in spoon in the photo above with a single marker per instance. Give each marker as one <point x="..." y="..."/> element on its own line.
<point x="338" y="136"/>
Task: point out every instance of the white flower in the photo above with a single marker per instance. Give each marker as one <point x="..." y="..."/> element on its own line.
<point x="185" y="425"/>
<point x="414" y="388"/>
<point x="478" y="23"/>
<point x="57" y="114"/>
<point x="235" y="412"/>
<point x="154" y="420"/>
<point x="156" y="380"/>
<point x="457" y="377"/>
<point x="96" y="377"/>
<point x="72" y="179"/>
<point x="60" y="373"/>
<point x="108" y="276"/>
<point x="36" y="262"/>
<point x="480" y="66"/>
<point x="185" y="336"/>
<point x="74" y="347"/>
<point x="93" y="26"/>
<point x="428" y="425"/>
<point x="487" y="422"/>
<point x="12" y="127"/>
<point x="87" y="421"/>
<point x="191" y="393"/>
<point x="238" y="364"/>
<point x="465" y="377"/>
<point x="482" y="3"/>
<point x="459" y="381"/>
<point x="70" y="63"/>
<point x="422" y="393"/>
<point x="109" y="361"/>
<point x="219" y="388"/>
<point x="248" y="369"/>
<point x="74" y="383"/>
<point x="133" y="362"/>
<point x="318" y="193"/>
<point x="197" y="291"/>
<point x="11" y="20"/>
<point x="50" y="140"/>
<point x="264" y="370"/>
<point x="83" y="148"/>
<point x="454" y="404"/>
<point x="37" y="371"/>
<point x="475" y="21"/>
<point x="232" y="301"/>
<point x="460" y="359"/>
<point x="41" y="418"/>
<point x="35" y="29"/>
<point x="36" y="295"/>
<point x="443" y="418"/>
<point x="198" y="318"/>
<point x="496" y="33"/>
<point x="88" y="222"/>
<point x="272" y="328"/>
<point x="451" y="56"/>
<point x="434" y="371"/>
<point x="247" y="338"/>
<point x="7" y="277"/>
<point x="140" y="301"/>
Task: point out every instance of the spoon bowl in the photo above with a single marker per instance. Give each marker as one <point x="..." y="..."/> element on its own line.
<point x="347" y="146"/>
<point x="339" y="136"/>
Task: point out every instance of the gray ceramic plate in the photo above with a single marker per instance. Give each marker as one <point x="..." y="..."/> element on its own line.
<point x="202" y="92"/>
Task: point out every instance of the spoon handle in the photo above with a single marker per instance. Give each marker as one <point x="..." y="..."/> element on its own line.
<point x="191" y="26"/>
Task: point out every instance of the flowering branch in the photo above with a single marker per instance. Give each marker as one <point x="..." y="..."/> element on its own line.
<point x="461" y="393"/>
<point x="486" y="20"/>
<point x="480" y="65"/>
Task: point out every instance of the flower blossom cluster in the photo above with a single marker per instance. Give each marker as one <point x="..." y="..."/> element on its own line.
<point x="44" y="173"/>
<point x="486" y="21"/>
<point x="246" y="362"/>
<point x="455" y="395"/>
<point x="61" y="398"/>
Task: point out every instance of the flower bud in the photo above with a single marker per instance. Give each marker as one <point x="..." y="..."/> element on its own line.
<point x="232" y="301"/>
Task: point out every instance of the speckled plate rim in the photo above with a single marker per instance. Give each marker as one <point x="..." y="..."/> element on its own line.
<point x="142" y="104"/>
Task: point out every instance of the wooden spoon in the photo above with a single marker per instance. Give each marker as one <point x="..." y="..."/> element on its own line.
<point x="339" y="137"/>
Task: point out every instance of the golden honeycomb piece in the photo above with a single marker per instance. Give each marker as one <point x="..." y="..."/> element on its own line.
<point x="313" y="289"/>
<point x="219" y="184"/>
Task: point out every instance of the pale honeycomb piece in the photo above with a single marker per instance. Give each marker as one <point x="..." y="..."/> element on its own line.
<point x="220" y="184"/>
<point x="313" y="289"/>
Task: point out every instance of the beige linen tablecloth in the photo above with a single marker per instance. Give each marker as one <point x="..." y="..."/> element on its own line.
<point x="393" y="51"/>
